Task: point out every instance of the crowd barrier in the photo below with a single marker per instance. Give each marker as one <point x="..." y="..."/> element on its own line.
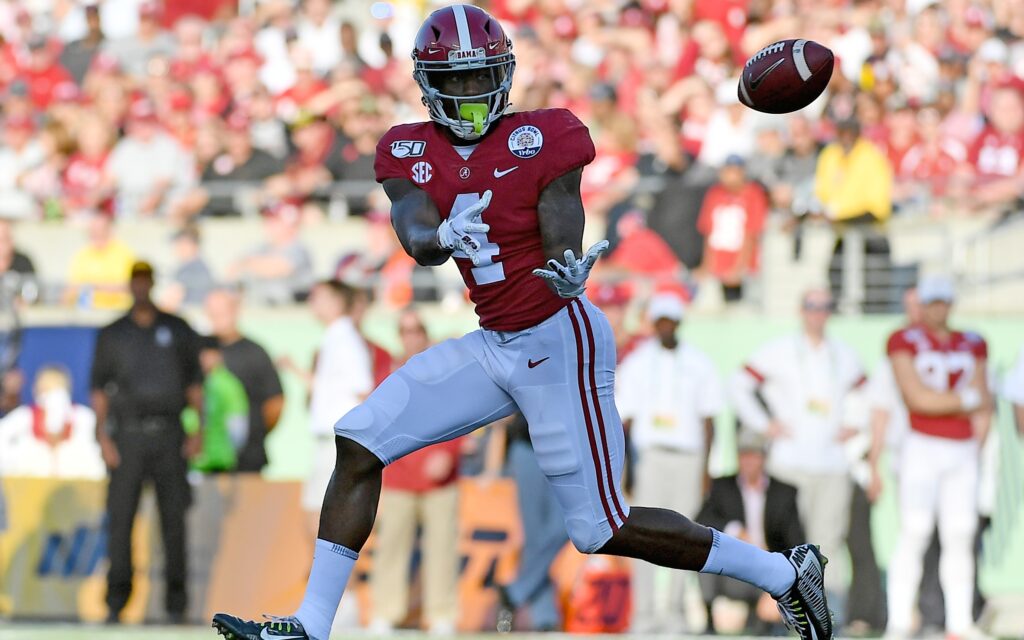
<point x="248" y="554"/>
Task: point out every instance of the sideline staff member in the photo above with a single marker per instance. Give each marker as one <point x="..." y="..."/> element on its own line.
<point x="145" y="370"/>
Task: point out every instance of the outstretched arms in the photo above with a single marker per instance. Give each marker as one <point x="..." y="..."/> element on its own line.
<point x="560" y="213"/>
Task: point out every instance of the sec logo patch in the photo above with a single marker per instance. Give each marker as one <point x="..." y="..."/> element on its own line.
<point x="422" y="172"/>
<point x="526" y="141"/>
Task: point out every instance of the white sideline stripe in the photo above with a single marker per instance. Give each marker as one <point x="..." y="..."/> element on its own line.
<point x="800" y="60"/>
<point x="462" y="24"/>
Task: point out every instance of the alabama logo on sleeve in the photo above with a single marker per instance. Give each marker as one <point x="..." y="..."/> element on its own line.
<point x="526" y="141"/>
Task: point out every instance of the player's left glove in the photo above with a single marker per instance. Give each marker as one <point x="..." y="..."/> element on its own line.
<point x="570" y="279"/>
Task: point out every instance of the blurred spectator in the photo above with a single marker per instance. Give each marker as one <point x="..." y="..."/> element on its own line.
<point x="795" y="189"/>
<point x="44" y="181"/>
<point x="853" y="183"/>
<point x="1013" y="389"/>
<point x="802" y="392"/>
<point x="341" y="377"/>
<point x="17" y="273"/>
<point x="668" y="396"/>
<point x="942" y="376"/>
<point x="996" y="157"/>
<point x="613" y="300"/>
<point x="292" y="104"/>
<point x="853" y="180"/>
<point x="253" y="366"/>
<point x="239" y="163"/>
<point x="133" y="53"/>
<point x="147" y="167"/>
<point x="85" y="191"/>
<point x="315" y="163"/>
<point x="280" y="270"/>
<point x="20" y="153"/>
<point x="756" y="508"/>
<point x="145" y="371"/>
<point x="419" y="490"/>
<point x="732" y="219"/>
<point x="52" y="437"/>
<point x="225" y="416"/>
<point x="191" y="279"/>
<point x="731" y="130"/>
<point x="319" y="31"/>
<point x="543" y="537"/>
<point x="42" y="71"/>
<point x="96" y="277"/>
<point x="381" y="360"/>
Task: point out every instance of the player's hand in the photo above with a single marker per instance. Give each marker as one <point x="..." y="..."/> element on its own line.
<point x="455" y="233"/>
<point x="875" y="485"/>
<point x="570" y="279"/>
<point x="111" y="456"/>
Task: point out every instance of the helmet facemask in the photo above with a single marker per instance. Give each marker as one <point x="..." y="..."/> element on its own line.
<point x="468" y="116"/>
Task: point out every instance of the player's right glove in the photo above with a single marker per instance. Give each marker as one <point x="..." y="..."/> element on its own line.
<point x="455" y="233"/>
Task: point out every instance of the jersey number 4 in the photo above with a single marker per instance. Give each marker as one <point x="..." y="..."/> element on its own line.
<point x="488" y="271"/>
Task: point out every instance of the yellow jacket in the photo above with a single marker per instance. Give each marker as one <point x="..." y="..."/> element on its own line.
<point x="852" y="184"/>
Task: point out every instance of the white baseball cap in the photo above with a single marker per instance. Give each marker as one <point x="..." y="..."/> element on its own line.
<point x="666" y="305"/>
<point x="936" y="288"/>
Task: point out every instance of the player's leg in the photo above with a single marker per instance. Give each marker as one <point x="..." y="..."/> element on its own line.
<point x="440" y="540"/>
<point x="123" y="494"/>
<point x="579" y="441"/>
<point x="437" y="395"/>
<point x="958" y="518"/>
<point x="919" y="472"/>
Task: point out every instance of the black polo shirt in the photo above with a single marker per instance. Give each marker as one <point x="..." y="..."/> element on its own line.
<point x="252" y="366"/>
<point x="146" y="370"/>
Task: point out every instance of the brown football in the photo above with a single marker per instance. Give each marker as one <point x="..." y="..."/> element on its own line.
<point x="785" y="76"/>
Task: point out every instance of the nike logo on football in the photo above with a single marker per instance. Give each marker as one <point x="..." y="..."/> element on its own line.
<point x="264" y="636"/>
<point x="756" y="82"/>
<point x="531" y="364"/>
<point x="498" y="174"/>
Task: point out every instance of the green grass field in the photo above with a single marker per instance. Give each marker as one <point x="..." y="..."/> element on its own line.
<point x="80" y="632"/>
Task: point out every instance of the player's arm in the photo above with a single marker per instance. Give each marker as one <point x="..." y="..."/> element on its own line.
<point x="561" y="219"/>
<point x="926" y="401"/>
<point x="981" y="420"/>
<point x="415" y="218"/>
<point x="560" y="214"/>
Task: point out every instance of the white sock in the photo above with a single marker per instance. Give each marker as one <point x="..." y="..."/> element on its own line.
<point x="771" y="572"/>
<point x="332" y="564"/>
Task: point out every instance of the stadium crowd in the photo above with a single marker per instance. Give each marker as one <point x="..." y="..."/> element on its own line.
<point x="123" y="110"/>
<point x="129" y="109"/>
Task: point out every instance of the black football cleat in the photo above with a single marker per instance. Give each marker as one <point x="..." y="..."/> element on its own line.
<point x="804" y="608"/>
<point x="274" y="628"/>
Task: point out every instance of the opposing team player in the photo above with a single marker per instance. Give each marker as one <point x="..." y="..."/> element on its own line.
<point x="941" y="374"/>
<point x="500" y="193"/>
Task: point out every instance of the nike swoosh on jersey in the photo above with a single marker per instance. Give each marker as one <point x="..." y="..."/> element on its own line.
<point x="531" y="364"/>
<point x="756" y="82"/>
<point x="498" y="174"/>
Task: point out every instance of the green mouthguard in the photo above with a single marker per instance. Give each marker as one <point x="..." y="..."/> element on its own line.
<point x="475" y="112"/>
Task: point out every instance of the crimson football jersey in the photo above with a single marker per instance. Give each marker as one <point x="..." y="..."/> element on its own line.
<point x="519" y="157"/>
<point x="948" y="366"/>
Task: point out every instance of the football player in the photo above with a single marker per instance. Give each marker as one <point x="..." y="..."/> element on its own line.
<point x="941" y="375"/>
<point x="499" y="192"/>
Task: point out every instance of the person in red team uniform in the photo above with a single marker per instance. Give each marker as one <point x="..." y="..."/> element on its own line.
<point x="996" y="156"/>
<point x="941" y="374"/>
<point x="499" y="192"/>
<point x="731" y="220"/>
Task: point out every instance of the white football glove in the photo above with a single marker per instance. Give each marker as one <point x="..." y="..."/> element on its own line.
<point x="455" y="233"/>
<point x="570" y="279"/>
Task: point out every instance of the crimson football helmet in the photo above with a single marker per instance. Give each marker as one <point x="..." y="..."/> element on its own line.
<point x="463" y="39"/>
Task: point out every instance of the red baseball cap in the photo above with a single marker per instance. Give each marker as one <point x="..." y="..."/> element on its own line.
<point x="608" y="295"/>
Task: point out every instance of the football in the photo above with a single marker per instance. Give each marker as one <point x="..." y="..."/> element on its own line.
<point x="785" y="76"/>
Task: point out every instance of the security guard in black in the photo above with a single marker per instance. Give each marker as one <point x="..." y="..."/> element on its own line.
<point x="145" y="372"/>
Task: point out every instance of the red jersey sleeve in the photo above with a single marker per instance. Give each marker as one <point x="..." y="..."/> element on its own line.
<point x="898" y="342"/>
<point x="386" y="165"/>
<point x="570" y="144"/>
<point x="978" y="345"/>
